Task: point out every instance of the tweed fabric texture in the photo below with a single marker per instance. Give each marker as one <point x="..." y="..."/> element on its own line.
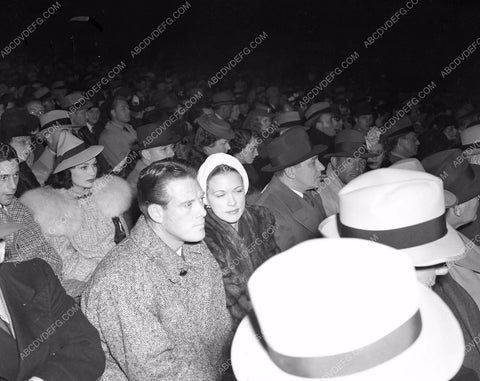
<point x="154" y="322"/>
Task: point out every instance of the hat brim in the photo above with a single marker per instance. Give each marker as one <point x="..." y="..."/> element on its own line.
<point x="446" y="249"/>
<point x="437" y="354"/>
<point x="172" y="140"/>
<point x="349" y="154"/>
<point x="315" y="151"/>
<point x="79" y="158"/>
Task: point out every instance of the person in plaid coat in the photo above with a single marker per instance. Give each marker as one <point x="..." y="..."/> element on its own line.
<point x="28" y="242"/>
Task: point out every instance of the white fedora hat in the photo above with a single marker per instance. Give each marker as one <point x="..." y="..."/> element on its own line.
<point x="345" y="310"/>
<point x="72" y="151"/>
<point x="399" y="208"/>
<point x="413" y="164"/>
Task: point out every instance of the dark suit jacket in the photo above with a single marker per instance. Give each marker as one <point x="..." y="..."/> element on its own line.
<point x="54" y="340"/>
<point x="297" y="220"/>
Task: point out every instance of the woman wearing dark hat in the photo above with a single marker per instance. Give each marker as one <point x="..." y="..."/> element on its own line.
<point x="212" y="136"/>
<point x="240" y="237"/>
<point x="80" y="215"/>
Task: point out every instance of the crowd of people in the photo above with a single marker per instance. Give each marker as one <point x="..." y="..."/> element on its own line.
<point x="161" y="229"/>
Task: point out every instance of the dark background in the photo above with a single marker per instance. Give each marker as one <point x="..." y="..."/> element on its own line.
<point x="303" y="34"/>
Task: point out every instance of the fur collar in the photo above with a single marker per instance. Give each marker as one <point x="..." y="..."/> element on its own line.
<point x="58" y="213"/>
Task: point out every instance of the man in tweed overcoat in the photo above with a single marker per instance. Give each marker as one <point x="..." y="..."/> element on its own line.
<point x="157" y="299"/>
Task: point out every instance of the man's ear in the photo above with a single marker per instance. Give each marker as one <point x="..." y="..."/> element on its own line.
<point x="156" y="213"/>
<point x="290" y="172"/>
<point x="334" y="161"/>
<point x="458" y="210"/>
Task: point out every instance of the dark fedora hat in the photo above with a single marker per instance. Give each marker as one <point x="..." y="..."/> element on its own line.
<point x="223" y="98"/>
<point x="350" y="143"/>
<point x="289" y="149"/>
<point x="458" y="175"/>
<point x="153" y="135"/>
<point x="216" y="126"/>
<point x="401" y="127"/>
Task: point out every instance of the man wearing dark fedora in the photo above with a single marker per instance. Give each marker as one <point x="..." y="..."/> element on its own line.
<point x="402" y="140"/>
<point x="298" y="210"/>
<point x="347" y="161"/>
<point x="154" y="144"/>
<point x="222" y="104"/>
<point x="43" y="334"/>
<point x="320" y="118"/>
<point x="363" y="115"/>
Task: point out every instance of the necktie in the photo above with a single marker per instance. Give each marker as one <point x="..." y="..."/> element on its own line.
<point x="309" y="198"/>
<point x="5" y="326"/>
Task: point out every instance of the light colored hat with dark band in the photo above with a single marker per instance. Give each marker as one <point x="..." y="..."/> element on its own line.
<point x="400" y="208"/>
<point x="72" y="151"/>
<point x="344" y="310"/>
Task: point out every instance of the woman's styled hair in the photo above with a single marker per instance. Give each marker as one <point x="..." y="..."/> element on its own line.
<point x="7" y="152"/>
<point x="62" y="179"/>
<point x="240" y="141"/>
<point x="153" y="181"/>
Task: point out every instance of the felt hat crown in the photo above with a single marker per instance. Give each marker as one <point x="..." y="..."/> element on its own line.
<point x="413" y="164"/>
<point x="72" y="151"/>
<point x="289" y="149"/>
<point x="59" y="118"/>
<point x="216" y="126"/>
<point x="314" y="112"/>
<point x="458" y="175"/>
<point x="399" y="208"/>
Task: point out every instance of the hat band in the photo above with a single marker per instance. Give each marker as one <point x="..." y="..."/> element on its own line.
<point x="350" y="147"/>
<point x="74" y="151"/>
<point x="355" y="361"/>
<point x="401" y="132"/>
<point x="472" y="146"/>
<point x="318" y="112"/>
<point x="58" y="123"/>
<point x="401" y="238"/>
<point x="290" y="124"/>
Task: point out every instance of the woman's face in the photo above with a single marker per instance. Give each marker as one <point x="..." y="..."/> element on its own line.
<point x="226" y="196"/>
<point x="83" y="175"/>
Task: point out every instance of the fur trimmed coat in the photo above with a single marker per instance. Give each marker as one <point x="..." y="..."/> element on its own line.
<point x="80" y="229"/>
<point x="240" y="253"/>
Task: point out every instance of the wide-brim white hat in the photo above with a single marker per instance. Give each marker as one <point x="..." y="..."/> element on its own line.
<point x="408" y="207"/>
<point x="446" y="249"/>
<point x="437" y="354"/>
<point x="345" y="309"/>
<point x="72" y="151"/>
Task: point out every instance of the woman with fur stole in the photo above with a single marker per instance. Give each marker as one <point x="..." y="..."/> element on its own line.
<point x="80" y="214"/>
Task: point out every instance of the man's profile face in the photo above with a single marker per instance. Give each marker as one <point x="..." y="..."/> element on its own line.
<point x="9" y="173"/>
<point x="184" y="215"/>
